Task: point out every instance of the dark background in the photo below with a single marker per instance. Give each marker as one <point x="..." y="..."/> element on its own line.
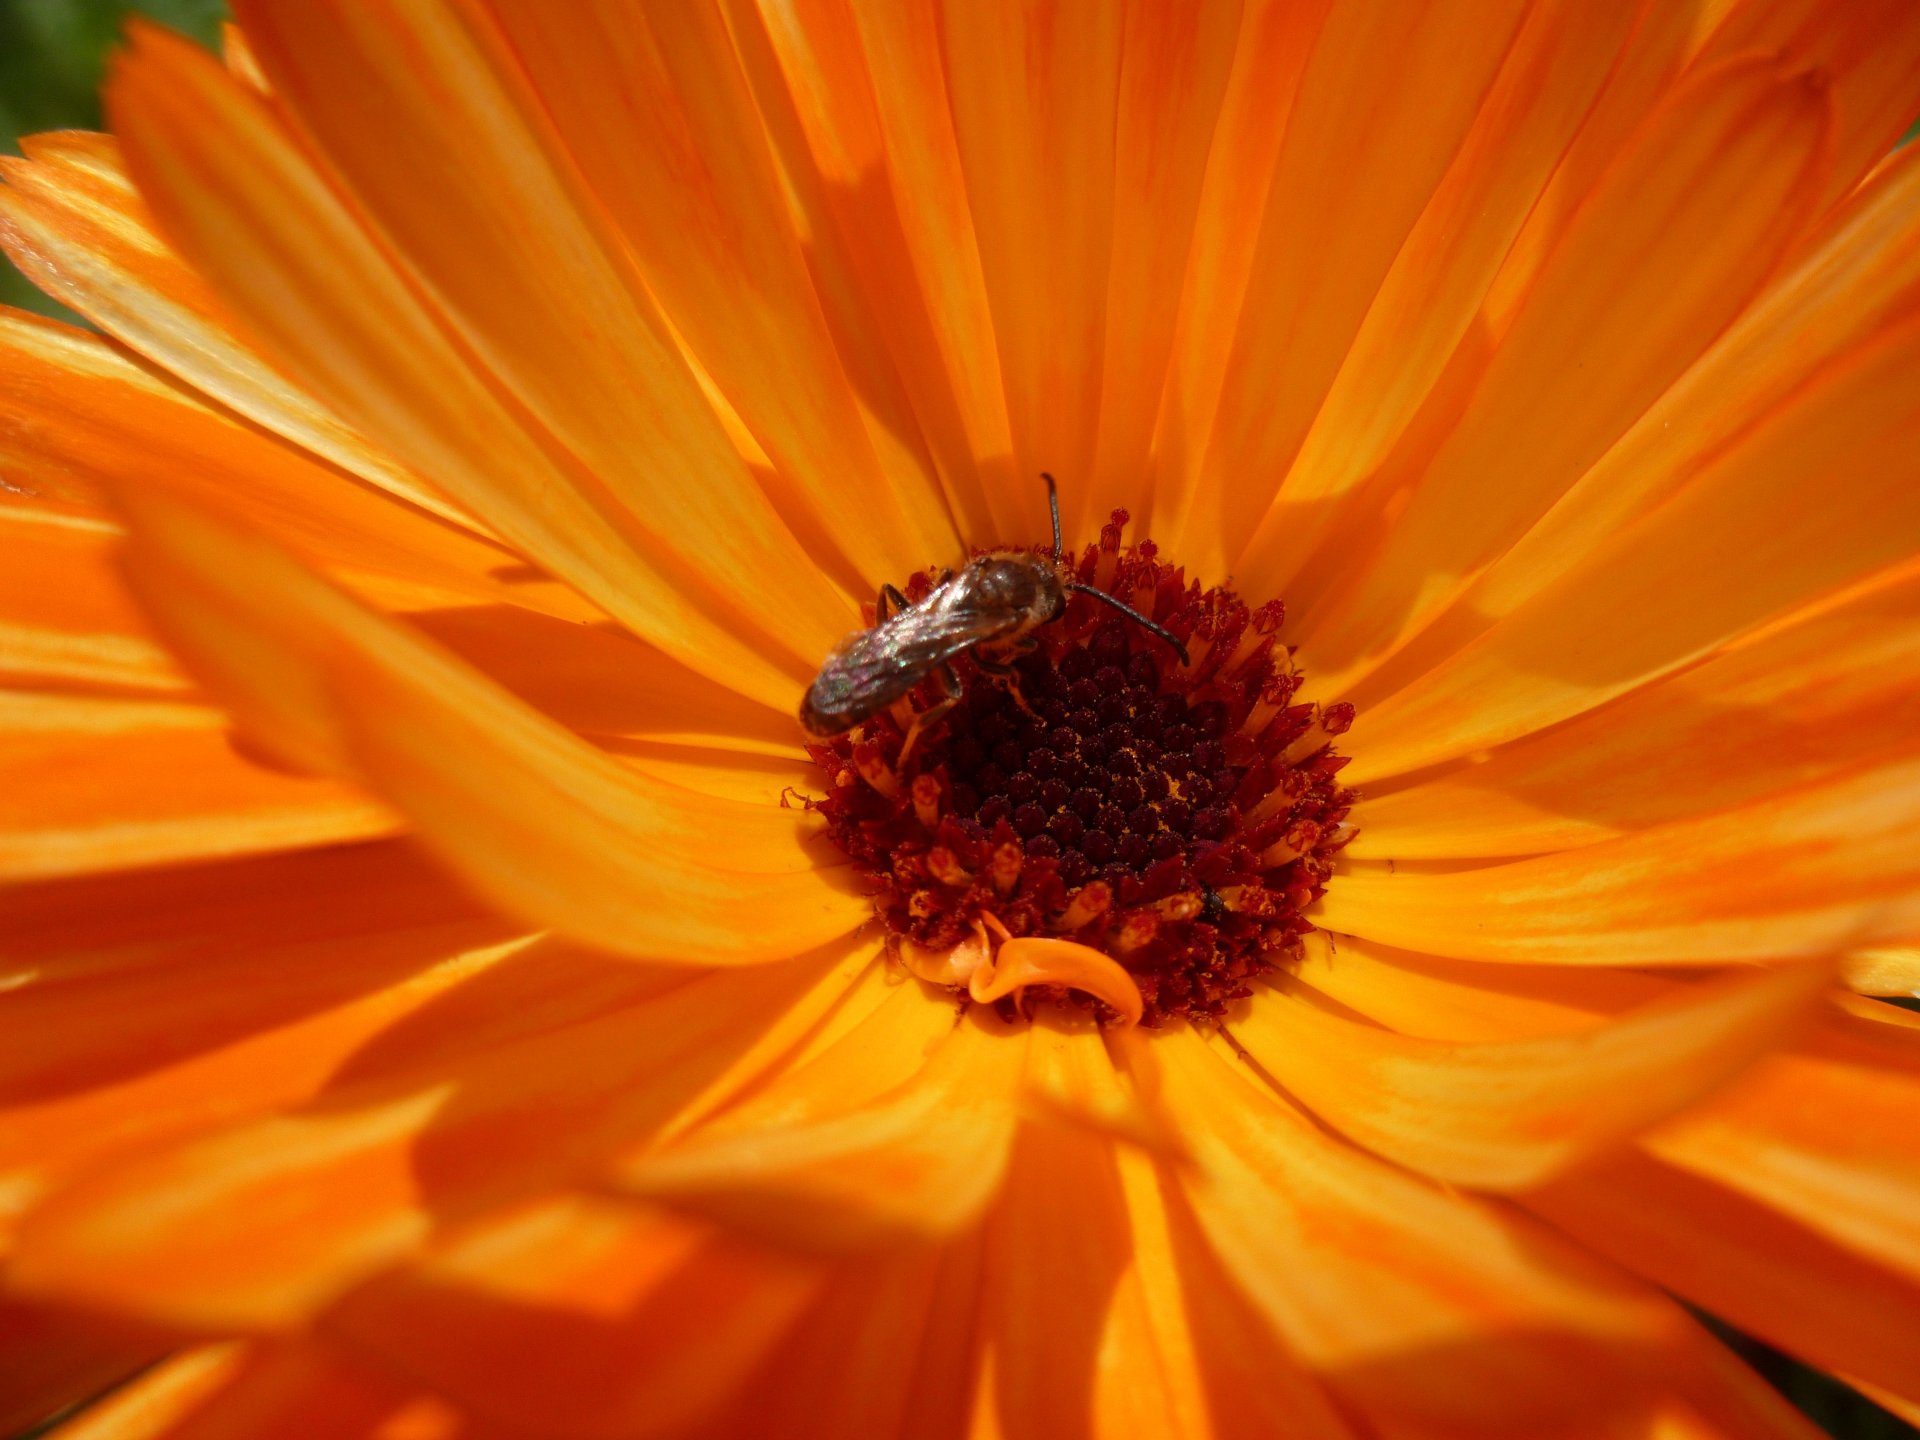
<point x="51" y="56"/>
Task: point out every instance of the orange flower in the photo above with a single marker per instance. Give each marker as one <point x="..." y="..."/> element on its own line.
<point x="422" y="1016"/>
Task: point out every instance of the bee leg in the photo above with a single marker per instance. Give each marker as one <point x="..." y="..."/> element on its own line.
<point x="888" y="593"/>
<point x="1003" y="673"/>
<point x="950" y="683"/>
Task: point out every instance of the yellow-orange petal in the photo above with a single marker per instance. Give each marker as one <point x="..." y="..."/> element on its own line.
<point x="57" y="1358"/>
<point x="1470" y="1001"/>
<point x="1666" y="251"/>
<point x="1819" y="870"/>
<point x="652" y="103"/>
<point x="90" y="785"/>
<point x="535" y="819"/>
<point x="497" y="1092"/>
<point x="72" y="221"/>
<point x="1419" y="1305"/>
<point x="1859" y="272"/>
<point x="1033" y="91"/>
<point x="1821" y="694"/>
<point x="1434" y="290"/>
<point x="1383" y="104"/>
<point x="1884" y="970"/>
<point x="89" y="413"/>
<point x="1772" y="1136"/>
<point x="326" y="302"/>
<point x="1753" y="1267"/>
<point x="581" y="1316"/>
<point x="65" y="618"/>
<point x="1508" y="1115"/>
<point x="805" y="1168"/>
<point x="1816" y="498"/>
<point x="1175" y="65"/>
<point x="1027" y="960"/>
<point x="153" y="1405"/>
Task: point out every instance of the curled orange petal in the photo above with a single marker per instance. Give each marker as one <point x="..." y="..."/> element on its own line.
<point x="1031" y="961"/>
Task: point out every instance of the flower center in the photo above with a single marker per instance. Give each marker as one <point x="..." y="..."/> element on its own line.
<point x="1175" y="818"/>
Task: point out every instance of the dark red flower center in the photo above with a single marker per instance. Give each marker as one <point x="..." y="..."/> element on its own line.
<point x="1178" y="818"/>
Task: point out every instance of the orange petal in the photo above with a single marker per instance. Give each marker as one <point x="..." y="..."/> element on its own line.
<point x="1664" y="253"/>
<point x="1187" y="1316"/>
<point x="580" y="1316"/>
<point x="1870" y="53"/>
<point x="683" y="564"/>
<point x="113" y="981"/>
<point x="1434" y="290"/>
<point x="151" y="1406"/>
<point x="1027" y="961"/>
<point x="65" y="617"/>
<point x="1174" y="67"/>
<point x="694" y="189"/>
<point x="501" y="1090"/>
<point x="57" y="1358"/>
<point x="1510" y="1115"/>
<point x="1465" y="1001"/>
<point x="1382" y="108"/>
<point x="1888" y="970"/>
<point x="1817" y="696"/>
<point x="1277" y="39"/>
<point x="1823" y="868"/>
<point x="803" y="1166"/>
<point x="1816" y="498"/>
<point x="1033" y="92"/>
<point x="1422" y="1307"/>
<point x="74" y="224"/>
<point x="1755" y="1268"/>
<point x="1772" y="1137"/>
<point x="868" y="86"/>
<point x="1858" y="275"/>
<point x="539" y="822"/>
<point x="886" y="1349"/>
<point x="91" y="785"/>
<point x="90" y="413"/>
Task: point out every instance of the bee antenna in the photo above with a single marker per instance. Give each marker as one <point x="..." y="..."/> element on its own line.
<point x="1053" y="505"/>
<point x="1132" y="614"/>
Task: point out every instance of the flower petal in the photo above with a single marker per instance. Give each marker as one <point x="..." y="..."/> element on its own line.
<point x="1753" y="1267"/>
<point x="700" y="566"/>
<point x="500" y="1091"/>
<point x="90" y="785"/>
<point x="1858" y="275"/>
<point x="807" y="1164"/>
<point x="1434" y="290"/>
<point x="1666" y="251"/>
<point x="1772" y="1137"/>
<point x="650" y="100"/>
<point x="1383" y="105"/>
<point x="65" y="618"/>
<point x="1033" y="93"/>
<point x="72" y="221"/>
<point x="1821" y="694"/>
<point x="539" y="822"/>
<point x="57" y="1358"/>
<point x="93" y="416"/>
<point x="1510" y="1115"/>
<point x="1420" y="1306"/>
<point x="580" y="1317"/>
<point x="149" y="1407"/>
<point x="1824" y="868"/>
<point x="1467" y="1001"/>
<point x="1815" y="499"/>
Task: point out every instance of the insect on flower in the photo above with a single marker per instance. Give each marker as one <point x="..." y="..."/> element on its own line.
<point x="991" y="607"/>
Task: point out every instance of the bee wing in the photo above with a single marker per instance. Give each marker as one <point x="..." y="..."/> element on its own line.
<point x="871" y="670"/>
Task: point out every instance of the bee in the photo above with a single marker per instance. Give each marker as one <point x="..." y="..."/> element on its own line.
<point x="990" y="606"/>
